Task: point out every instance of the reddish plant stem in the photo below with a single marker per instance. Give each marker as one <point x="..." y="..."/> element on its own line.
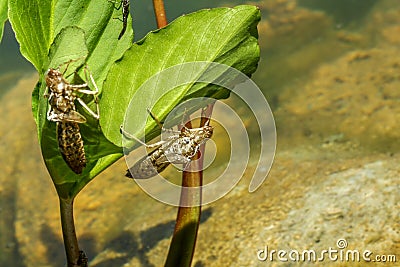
<point x="183" y="242"/>
<point x="159" y="11"/>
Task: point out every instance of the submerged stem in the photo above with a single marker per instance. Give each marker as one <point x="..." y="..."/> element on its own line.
<point x="187" y="222"/>
<point x="75" y="257"/>
<point x="183" y="241"/>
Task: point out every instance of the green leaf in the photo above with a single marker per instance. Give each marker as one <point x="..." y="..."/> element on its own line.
<point x="100" y="153"/>
<point x="222" y="35"/>
<point x="36" y="23"/>
<point x="3" y="16"/>
<point x="98" y="19"/>
<point x="31" y="22"/>
<point x="86" y="33"/>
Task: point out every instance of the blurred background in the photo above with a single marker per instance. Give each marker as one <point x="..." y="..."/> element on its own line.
<point x="330" y="71"/>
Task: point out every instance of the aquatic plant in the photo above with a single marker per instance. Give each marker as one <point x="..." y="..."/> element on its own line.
<point x="85" y="35"/>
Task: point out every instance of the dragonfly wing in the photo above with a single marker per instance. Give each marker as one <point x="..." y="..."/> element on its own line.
<point x="74" y="116"/>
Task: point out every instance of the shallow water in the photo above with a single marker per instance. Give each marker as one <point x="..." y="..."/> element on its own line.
<point x="331" y="74"/>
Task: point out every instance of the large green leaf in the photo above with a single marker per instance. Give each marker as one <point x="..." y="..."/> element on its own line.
<point x="3" y="16"/>
<point x="100" y="153"/>
<point x="36" y="23"/>
<point x="32" y="26"/>
<point x="98" y="19"/>
<point x="52" y="33"/>
<point x="222" y="35"/>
